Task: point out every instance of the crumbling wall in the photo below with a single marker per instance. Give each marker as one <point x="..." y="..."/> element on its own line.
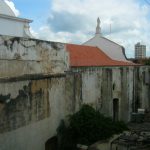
<point x="23" y="103"/>
<point x="126" y="96"/>
<point x="30" y="112"/>
<point x="100" y="86"/>
<point x="142" y="88"/>
<point x="32" y="108"/>
<point x="105" y="85"/>
<point x="32" y="94"/>
<point x="20" y="56"/>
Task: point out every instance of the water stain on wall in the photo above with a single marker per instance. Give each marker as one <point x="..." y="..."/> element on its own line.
<point x="30" y="105"/>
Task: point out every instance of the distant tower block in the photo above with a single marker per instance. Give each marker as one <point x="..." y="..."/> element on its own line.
<point x="140" y="50"/>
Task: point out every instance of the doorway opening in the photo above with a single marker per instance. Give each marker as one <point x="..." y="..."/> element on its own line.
<point x="115" y="109"/>
<point x="51" y="144"/>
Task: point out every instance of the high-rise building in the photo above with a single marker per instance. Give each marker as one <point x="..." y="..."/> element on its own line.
<point x="140" y="50"/>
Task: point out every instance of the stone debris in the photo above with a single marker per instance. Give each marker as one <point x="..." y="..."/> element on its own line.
<point x="134" y="140"/>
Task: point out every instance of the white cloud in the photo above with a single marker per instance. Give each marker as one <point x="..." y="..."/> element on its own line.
<point x="12" y="6"/>
<point x="34" y="33"/>
<point x="75" y="21"/>
<point x="46" y="33"/>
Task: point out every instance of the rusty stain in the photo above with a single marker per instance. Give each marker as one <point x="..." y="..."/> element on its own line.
<point x="1" y="107"/>
<point x="39" y="85"/>
<point x="29" y="52"/>
<point x="43" y="86"/>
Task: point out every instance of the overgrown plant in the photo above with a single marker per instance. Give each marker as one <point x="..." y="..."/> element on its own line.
<point x="86" y="127"/>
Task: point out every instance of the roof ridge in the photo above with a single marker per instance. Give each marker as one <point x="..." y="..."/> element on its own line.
<point x="82" y="45"/>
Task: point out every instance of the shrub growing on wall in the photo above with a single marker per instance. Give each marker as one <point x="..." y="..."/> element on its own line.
<point x="86" y="127"/>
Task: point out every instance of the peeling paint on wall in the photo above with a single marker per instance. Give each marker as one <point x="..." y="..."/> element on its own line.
<point x="30" y="104"/>
<point x="31" y="56"/>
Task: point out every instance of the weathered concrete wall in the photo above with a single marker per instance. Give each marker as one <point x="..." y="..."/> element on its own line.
<point x="101" y="86"/>
<point x="31" y="112"/>
<point x="142" y="88"/>
<point x="23" y="103"/>
<point x="31" y="87"/>
<point x="31" y="56"/>
<point x="106" y="85"/>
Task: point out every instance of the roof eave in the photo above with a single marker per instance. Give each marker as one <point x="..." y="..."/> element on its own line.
<point x="15" y="18"/>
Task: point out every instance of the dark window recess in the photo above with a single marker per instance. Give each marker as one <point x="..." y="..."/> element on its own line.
<point x="146" y="77"/>
<point x="114" y="86"/>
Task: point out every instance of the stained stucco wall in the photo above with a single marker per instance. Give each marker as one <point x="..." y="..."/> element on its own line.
<point x="32" y="113"/>
<point x="142" y="87"/>
<point x="31" y="87"/>
<point x="31" y="56"/>
<point x="127" y="84"/>
<point x="107" y="84"/>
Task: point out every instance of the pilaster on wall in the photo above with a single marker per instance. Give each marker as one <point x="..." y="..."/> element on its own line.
<point x="141" y="88"/>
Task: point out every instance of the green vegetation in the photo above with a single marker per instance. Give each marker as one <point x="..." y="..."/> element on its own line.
<point x="147" y="62"/>
<point x="86" y="127"/>
<point x="143" y="61"/>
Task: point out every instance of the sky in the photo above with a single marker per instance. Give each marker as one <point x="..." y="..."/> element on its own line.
<point x="74" y="21"/>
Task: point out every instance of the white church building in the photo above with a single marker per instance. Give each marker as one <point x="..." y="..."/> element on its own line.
<point x="12" y="25"/>
<point x="110" y="48"/>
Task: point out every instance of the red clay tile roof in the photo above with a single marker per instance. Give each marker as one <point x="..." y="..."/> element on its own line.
<point x="84" y="56"/>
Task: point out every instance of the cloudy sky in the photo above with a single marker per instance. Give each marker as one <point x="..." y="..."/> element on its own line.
<point x="74" y="21"/>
